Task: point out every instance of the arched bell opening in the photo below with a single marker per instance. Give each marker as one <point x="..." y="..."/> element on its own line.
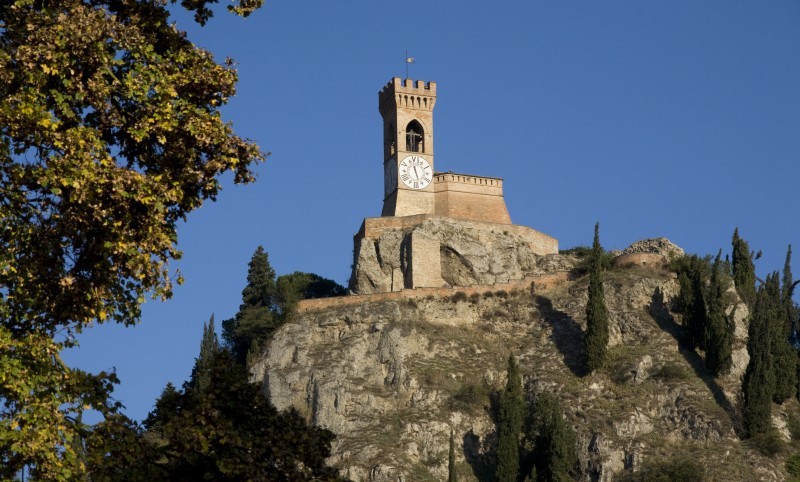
<point x="415" y="137"/>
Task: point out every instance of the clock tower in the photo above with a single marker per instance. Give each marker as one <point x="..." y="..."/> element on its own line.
<point x="407" y="110"/>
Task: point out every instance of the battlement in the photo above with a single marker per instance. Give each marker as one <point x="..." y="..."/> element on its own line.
<point x="454" y="177"/>
<point x="407" y="93"/>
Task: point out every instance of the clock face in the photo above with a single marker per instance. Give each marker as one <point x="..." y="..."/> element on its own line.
<point x="415" y="172"/>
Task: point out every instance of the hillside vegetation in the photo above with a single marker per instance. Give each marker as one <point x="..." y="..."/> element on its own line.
<point x="393" y="378"/>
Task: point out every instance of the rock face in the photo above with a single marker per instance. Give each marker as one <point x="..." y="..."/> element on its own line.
<point x="392" y="378"/>
<point x="438" y="251"/>
<point x="655" y="246"/>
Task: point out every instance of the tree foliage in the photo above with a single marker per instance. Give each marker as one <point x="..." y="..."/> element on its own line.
<point x="692" y="277"/>
<point x="554" y="455"/>
<point x="110" y="133"/>
<point x="744" y="271"/>
<point x="596" y="338"/>
<point x="452" y="476"/>
<point x="268" y="302"/>
<point x="220" y="429"/>
<point x="719" y="329"/>
<point x="759" y="378"/>
<point x="509" y="424"/>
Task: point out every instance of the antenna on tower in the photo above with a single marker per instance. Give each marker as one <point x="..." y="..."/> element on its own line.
<point x="409" y="60"/>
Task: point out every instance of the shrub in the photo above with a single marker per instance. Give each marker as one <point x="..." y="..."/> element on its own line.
<point x="768" y="443"/>
<point x="672" y="372"/>
<point x="458" y="296"/>
<point x="470" y="396"/>
<point x="793" y="424"/>
<point x="793" y="465"/>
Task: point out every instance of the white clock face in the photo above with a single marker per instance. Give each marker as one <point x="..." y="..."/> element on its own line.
<point x="415" y="172"/>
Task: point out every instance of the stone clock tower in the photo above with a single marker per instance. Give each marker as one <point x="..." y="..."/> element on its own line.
<point x="407" y="110"/>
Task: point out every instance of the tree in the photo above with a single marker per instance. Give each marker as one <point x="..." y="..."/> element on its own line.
<point x="744" y="271"/>
<point x="509" y="424"/>
<point x="223" y="429"/>
<point x="759" y="378"/>
<point x="110" y="134"/>
<point x="783" y="353"/>
<point x="554" y="440"/>
<point x="718" y="333"/>
<point x="267" y="303"/>
<point x="452" y="476"/>
<point x="209" y="347"/>
<point x="596" y="338"/>
<point x="692" y="295"/>
<point x="258" y="313"/>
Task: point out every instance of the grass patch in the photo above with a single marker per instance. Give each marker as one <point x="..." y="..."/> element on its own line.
<point x="673" y="469"/>
<point x="769" y="444"/>
<point x="672" y="372"/>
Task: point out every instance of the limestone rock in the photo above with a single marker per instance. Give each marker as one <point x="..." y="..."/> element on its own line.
<point x="656" y="246"/>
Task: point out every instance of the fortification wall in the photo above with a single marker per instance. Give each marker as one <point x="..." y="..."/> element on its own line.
<point x="537" y="284"/>
<point x="476" y="198"/>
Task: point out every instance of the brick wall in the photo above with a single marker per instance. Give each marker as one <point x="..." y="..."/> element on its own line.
<point x="541" y="284"/>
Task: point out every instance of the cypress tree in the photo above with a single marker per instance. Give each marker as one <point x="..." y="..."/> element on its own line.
<point x="693" y="304"/>
<point x="596" y="338"/>
<point x="209" y="347"/>
<point x="783" y="353"/>
<point x="718" y="333"/>
<point x="509" y="425"/>
<point x="744" y="271"/>
<point x="556" y="456"/>
<point x="256" y="317"/>
<point x="451" y="462"/>
<point x="759" y="378"/>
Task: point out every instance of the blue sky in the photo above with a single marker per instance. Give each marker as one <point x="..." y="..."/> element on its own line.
<point x="677" y="119"/>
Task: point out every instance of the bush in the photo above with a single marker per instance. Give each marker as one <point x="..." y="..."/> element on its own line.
<point x="672" y="372"/>
<point x="768" y="443"/>
<point x="675" y="469"/>
<point x="458" y="296"/>
<point x="793" y="424"/>
<point x="793" y="466"/>
<point x="470" y="396"/>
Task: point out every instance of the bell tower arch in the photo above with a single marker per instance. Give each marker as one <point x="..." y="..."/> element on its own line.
<point x="406" y="107"/>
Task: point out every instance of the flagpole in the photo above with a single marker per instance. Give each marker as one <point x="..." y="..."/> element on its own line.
<point x="406" y="62"/>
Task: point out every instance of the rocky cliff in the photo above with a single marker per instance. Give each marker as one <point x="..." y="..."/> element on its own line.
<point x="393" y="377"/>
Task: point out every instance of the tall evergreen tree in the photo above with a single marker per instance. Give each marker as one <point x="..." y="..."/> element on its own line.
<point x="209" y="347"/>
<point x="784" y="355"/>
<point x="759" y="378"/>
<point x="744" y="271"/>
<point x="258" y="312"/>
<point x="451" y="460"/>
<point x="509" y="425"/>
<point x="596" y="338"/>
<point x="693" y="305"/>
<point x="555" y="454"/>
<point x="718" y="334"/>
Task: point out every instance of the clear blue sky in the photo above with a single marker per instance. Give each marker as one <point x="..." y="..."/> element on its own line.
<point x="677" y="119"/>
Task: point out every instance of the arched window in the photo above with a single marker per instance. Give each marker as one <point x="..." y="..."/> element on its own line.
<point x="415" y="137"/>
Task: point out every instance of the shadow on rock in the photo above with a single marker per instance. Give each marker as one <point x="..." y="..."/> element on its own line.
<point x="478" y="458"/>
<point x="659" y="311"/>
<point x="567" y="335"/>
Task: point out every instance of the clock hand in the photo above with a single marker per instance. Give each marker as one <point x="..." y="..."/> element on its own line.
<point x="415" y="172"/>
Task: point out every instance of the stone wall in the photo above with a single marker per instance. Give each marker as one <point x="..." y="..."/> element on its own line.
<point x="537" y="284"/>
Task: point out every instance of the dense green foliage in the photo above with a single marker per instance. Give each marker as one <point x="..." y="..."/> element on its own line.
<point x="784" y="355"/>
<point x="554" y="456"/>
<point x="596" y="337"/>
<point x="267" y="303"/>
<point x="218" y="427"/>
<point x="110" y="134"/>
<point x="744" y="271"/>
<point x="759" y="378"/>
<point x="692" y="275"/>
<point x="718" y="329"/>
<point x="509" y="424"/>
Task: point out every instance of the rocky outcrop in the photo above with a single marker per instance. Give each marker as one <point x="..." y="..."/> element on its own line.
<point x="655" y="246"/>
<point x="392" y="378"/>
<point x="445" y="252"/>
